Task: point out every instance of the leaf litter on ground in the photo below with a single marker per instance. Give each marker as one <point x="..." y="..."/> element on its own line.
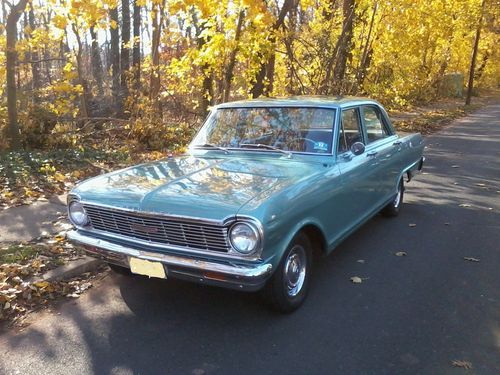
<point x="463" y="364"/>
<point x="357" y="279"/>
<point x="22" y="289"/>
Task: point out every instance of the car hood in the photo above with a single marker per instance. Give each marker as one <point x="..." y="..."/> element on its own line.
<point x="211" y="188"/>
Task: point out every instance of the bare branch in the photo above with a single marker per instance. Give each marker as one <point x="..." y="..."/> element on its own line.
<point x="41" y="60"/>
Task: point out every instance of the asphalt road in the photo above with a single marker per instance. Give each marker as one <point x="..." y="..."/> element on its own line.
<point x="413" y="314"/>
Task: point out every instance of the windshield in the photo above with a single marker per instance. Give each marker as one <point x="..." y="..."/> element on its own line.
<point x="269" y="129"/>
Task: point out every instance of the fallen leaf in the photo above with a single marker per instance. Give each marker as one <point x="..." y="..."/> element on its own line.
<point x="59" y="177"/>
<point x="471" y="259"/>
<point x="463" y="364"/>
<point x="360" y="261"/>
<point x="42" y="284"/>
<point x="401" y="254"/>
<point x="356" y="280"/>
<point x="464" y="205"/>
<point x="482" y="185"/>
<point x="446" y="223"/>
<point x="412" y="225"/>
<point x="455" y="166"/>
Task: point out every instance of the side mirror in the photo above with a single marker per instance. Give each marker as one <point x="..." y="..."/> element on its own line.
<point x="357" y="148"/>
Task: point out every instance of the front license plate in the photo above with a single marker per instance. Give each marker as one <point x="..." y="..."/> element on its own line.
<point x="147" y="268"/>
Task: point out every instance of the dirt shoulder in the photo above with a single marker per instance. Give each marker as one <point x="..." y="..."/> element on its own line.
<point x="431" y="117"/>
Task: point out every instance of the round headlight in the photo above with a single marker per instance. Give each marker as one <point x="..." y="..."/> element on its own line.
<point x="244" y="238"/>
<point x="77" y="214"/>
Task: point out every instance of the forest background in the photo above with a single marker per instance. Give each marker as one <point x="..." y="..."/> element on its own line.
<point x="87" y="86"/>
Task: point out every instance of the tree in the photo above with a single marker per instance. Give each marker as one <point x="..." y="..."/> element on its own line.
<point x="136" y="51"/>
<point x="125" y="50"/>
<point x="228" y="76"/>
<point x="115" y="60"/>
<point x="157" y="23"/>
<point x="345" y="44"/>
<point x="96" y="61"/>
<point x="260" y="87"/>
<point x="11" y="60"/>
<point x="475" y="48"/>
<point x="34" y="55"/>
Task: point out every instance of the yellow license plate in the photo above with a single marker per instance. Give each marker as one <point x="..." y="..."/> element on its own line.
<point x="147" y="268"/>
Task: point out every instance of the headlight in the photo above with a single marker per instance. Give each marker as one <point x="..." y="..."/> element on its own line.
<point x="77" y="214"/>
<point x="244" y="238"/>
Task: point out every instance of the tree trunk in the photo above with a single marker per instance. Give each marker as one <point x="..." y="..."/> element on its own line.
<point x="115" y="61"/>
<point x="35" y="66"/>
<point x="136" y="52"/>
<point x="260" y="87"/>
<point x="361" y="73"/>
<point x="125" y="50"/>
<point x="470" y="86"/>
<point x="96" y="61"/>
<point x="11" y="59"/>
<point x="228" y="76"/>
<point x="84" y="98"/>
<point x="4" y="14"/>
<point x="345" y="44"/>
<point x="157" y="22"/>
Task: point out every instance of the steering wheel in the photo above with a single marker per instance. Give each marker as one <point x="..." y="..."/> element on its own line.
<point x="303" y="140"/>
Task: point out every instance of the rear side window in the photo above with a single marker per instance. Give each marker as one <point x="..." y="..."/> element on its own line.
<point x="374" y="123"/>
<point x="350" y="129"/>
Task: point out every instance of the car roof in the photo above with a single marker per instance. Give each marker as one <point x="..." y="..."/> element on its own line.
<point x="300" y="101"/>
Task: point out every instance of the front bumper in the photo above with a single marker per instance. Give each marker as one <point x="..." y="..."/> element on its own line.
<point x="227" y="275"/>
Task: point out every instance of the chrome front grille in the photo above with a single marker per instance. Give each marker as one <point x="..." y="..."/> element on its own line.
<point x="160" y="230"/>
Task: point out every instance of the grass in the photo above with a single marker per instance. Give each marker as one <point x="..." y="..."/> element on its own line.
<point x="17" y="253"/>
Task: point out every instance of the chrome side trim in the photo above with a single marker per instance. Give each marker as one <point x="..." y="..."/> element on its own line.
<point x="257" y="271"/>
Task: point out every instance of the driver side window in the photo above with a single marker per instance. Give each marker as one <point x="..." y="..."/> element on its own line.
<point x="350" y="129"/>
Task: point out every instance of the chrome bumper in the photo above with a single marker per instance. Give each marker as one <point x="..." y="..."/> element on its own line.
<point x="228" y="275"/>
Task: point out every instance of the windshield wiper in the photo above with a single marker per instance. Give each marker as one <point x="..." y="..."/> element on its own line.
<point x="268" y="147"/>
<point x="209" y="145"/>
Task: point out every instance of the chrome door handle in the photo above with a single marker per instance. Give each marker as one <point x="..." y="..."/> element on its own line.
<point x="372" y="153"/>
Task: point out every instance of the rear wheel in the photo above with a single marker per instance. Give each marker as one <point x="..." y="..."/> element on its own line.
<point x="287" y="289"/>
<point x="393" y="208"/>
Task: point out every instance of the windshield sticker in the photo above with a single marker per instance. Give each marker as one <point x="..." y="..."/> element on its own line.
<point x="322" y="146"/>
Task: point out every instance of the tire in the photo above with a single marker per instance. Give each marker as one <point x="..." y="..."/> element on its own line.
<point x="393" y="208"/>
<point x="120" y="270"/>
<point x="287" y="289"/>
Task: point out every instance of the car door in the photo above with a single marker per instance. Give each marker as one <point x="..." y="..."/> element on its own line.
<point x="358" y="180"/>
<point x="381" y="150"/>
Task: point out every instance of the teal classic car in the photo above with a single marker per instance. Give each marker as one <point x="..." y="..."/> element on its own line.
<point x="266" y="185"/>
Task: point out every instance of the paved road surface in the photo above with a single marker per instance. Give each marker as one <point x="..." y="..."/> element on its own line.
<point x="411" y="315"/>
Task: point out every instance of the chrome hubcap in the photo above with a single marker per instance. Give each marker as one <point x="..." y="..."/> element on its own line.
<point x="295" y="270"/>
<point x="397" y="200"/>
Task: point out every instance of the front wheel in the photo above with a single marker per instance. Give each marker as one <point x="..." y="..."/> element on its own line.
<point x="287" y="289"/>
<point x="393" y="208"/>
